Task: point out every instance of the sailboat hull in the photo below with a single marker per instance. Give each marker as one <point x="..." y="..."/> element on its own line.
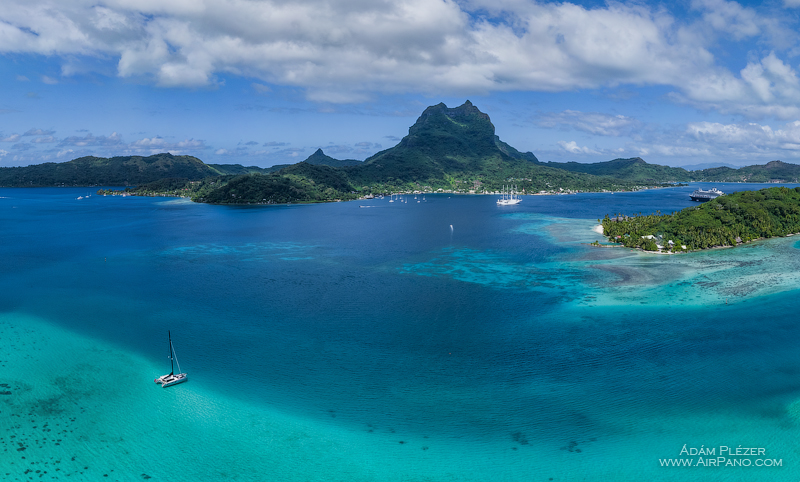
<point x="171" y="379"/>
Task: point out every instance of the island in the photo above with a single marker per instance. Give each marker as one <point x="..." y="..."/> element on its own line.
<point x="453" y="150"/>
<point x="728" y="220"/>
<point x="447" y="150"/>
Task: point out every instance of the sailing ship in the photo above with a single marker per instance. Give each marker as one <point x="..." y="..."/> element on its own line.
<point x="172" y="378"/>
<point x="508" y="198"/>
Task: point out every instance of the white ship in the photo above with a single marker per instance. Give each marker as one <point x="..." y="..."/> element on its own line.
<point x="510" y="197"/>
<point x="706" y="195"/>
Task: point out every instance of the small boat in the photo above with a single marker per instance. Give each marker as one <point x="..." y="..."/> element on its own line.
<point x="172" y="378"/>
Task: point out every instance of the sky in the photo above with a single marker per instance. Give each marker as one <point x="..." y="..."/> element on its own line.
<point x="261" y="82"/>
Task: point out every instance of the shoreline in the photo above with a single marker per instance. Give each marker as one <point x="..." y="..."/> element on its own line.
<point x="117" y="193"/>
<point x="599" y="229"/>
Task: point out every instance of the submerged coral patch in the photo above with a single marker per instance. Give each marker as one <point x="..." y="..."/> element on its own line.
<point x="495" y="270"/>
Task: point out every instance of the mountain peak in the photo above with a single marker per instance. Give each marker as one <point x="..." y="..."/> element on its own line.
<point x="465" y="110"/>
<point x="319" y="158"/>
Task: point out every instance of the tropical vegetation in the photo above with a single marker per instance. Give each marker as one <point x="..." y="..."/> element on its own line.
<point x="728" y="220"/>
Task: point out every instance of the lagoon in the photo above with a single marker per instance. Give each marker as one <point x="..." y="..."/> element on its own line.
<point x="332" y="342"/>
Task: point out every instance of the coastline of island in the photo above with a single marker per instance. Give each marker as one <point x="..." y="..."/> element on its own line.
<point x="727" y="221"/>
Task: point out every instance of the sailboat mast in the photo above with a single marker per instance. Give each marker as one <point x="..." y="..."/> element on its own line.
<point x="171" y="363"/>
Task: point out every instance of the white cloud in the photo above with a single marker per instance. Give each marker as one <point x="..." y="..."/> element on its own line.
<point x="44" y="140"/>
<point x="730" y="17"/>
<point x="751" y="136"/>
<point x="345" y="51"/>
<point x="673" y="151"/>
<point x="573" y="148"/>
<point x="3" y="153"/>
<point x="154" y="145"/>
<point x="11" y="138"/>
<point x="150" y="142"/>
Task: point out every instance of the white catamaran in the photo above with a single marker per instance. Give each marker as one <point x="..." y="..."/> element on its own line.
<point x="172" y="378"/>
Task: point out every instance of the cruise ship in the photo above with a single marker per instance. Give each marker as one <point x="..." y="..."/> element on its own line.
<point x="706" y="195"/>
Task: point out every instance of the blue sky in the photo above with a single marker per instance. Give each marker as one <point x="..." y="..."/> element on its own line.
<point x="263" y="82"/>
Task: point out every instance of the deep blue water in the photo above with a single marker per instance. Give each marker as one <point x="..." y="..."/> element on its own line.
<point x="378" y="317"/>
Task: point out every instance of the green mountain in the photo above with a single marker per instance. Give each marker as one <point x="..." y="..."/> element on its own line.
<point x="634" y="169"/>
<point x="637" y="170"/>
<point x="319" y="158"/>
<point x="443" y="143"/>
<point x="117" y="171"/>
<point x="774" y="171"/>
<point x="89" y="171"/>
<point x="446" y="149"/>
<point x="457" y="149"/>
<point x="302" y="182"/>
<point x="236" y="169"/>
<point x="454" y="150"/>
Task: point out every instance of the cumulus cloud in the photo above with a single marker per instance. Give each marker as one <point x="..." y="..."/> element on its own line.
<point x="672" y="151"/>
<point x="344" y="51"/>
<point x="573" y="148"/>
<point x="765" y="88"/>
<point x="11" y="138"/>
<point x="752" y="136"/>
<point x="731" y="17"/>
<point x="44" y="140"/>
<point x="154" y="145"/>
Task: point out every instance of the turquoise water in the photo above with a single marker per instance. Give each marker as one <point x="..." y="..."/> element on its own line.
<point x="335" y="342"/>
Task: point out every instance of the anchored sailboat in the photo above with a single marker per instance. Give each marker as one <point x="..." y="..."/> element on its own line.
<point x="172" y="378"/>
